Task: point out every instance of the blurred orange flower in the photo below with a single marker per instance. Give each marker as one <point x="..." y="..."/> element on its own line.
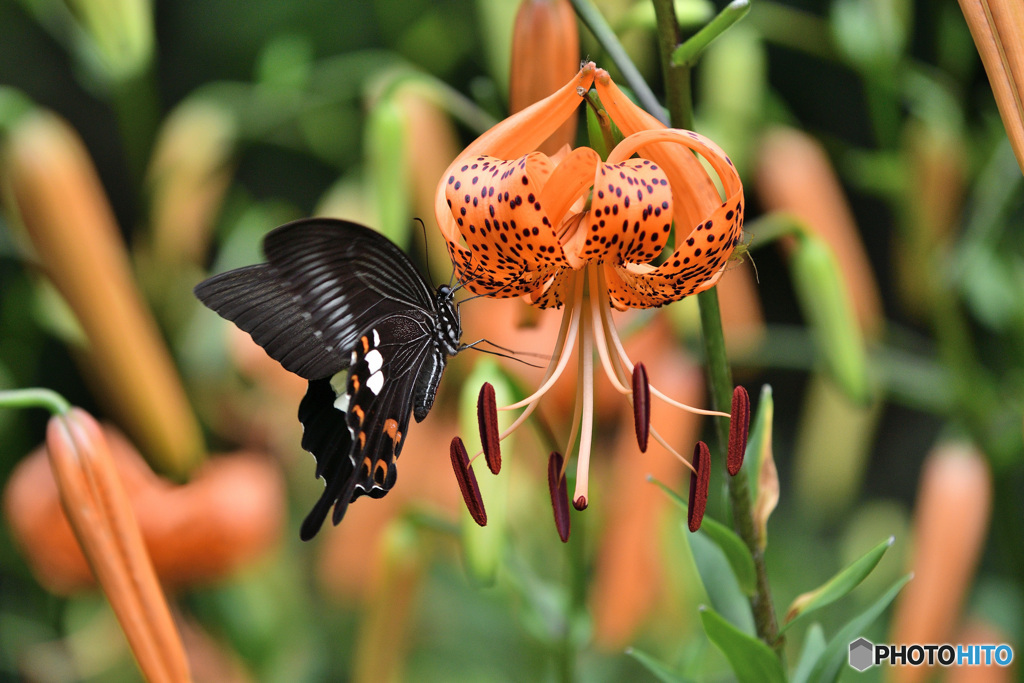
<point x="954" y="503"/>
<point x="227" y="516"/>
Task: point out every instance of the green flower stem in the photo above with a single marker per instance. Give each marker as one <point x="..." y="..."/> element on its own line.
<point x="678" y="85"/>
<point x="35" y="398"/>
<point x="687" y="54"/>
<point x="594" y="21"/>
<point x="719" y="373"/>
<point x="720" y="377"/>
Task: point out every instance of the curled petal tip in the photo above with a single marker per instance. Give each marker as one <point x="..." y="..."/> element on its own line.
<point x="700" y="478"/>
<point x="487" y="418"/>
<point x="467" y="482"/>
<point x="739" y="426"/>
<point x="559" y="495"/>
<point x="641" y="406"/>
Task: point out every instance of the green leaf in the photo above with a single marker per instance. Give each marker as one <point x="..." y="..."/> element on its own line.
<point x="659" y="669"/>
<point x="735" y="551"/>
<point x="751" y="660"/>
<point x="484" y="547"/>
<point x="721" y="585"/>
<point x="828" y="309"/>
<point x="385" y="144"/>
<point x="760" y="429"/>
<point x="732" y="546"/>
<point x="838" y="586"/>
<point x="814" y="646"/>
<point x="836" y="652"/>
<point x="762" y="460"/>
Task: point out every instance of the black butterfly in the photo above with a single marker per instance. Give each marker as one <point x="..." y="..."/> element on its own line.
<point x="335" y="296"/>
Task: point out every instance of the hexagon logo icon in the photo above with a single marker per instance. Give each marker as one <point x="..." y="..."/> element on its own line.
<point x="862" y="654"/>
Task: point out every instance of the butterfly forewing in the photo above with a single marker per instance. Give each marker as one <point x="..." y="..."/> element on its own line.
<point x="348" y="277"/>
<point x="260" y="303"/>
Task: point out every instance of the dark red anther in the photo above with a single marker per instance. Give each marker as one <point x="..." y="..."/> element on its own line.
<point x="559" y="495"/>
<point x="641" y="406"/>
<point x="487" y="418"/>
<point x="467" y="482"/>
<point x="699" y="481"/>
<point x="739" y="425"/>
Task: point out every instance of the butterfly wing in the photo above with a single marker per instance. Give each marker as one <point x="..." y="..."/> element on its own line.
<point x="259" y="302"/>
<point x="333" y="296"/>
<point x="358" y="435"/>
<point x="348" y="277"/>
<point x="325" y="283"/>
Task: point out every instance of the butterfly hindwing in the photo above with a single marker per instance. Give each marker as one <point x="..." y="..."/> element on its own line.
<point x="357" y="436"/>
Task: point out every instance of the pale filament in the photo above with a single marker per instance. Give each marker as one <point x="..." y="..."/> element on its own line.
<point x="660" y="439"/>
<point x="569" y="320"/>
<point x="577" y="415"/>
<point x="566" y="351"/>
<point x="607" y="322"/>
<point x="596" y="302"/>
<point x="587" y="435"/>
<point x="563" y="330"/>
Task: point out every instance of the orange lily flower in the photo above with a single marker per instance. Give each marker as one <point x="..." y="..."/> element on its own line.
<point x="577" y="231"/>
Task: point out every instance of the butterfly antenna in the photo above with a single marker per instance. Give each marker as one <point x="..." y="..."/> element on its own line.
<point x="505" y="348"/>
<point x="476" y="274"/>
<point x="426" y="247"/>
<point x="499" y="354"/>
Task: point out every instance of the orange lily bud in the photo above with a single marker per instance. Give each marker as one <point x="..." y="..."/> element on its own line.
<point x="97" y="507"/>
<point x="545" y="54"/>
<point x="997" y="27"/>
<point x="188" y="177"/>
<point x="227" y="516"/>
<point x="59" y="199"/>
<point x="951" y="518"/>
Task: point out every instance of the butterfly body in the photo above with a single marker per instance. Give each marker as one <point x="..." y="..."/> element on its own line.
<point x="343" y="307"/>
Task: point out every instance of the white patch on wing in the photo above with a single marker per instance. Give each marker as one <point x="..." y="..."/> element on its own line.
<point x="374" y="360"/>
<point x="376" y="338"/>
<point x="341" y="403"/>
<point x="338" y="383"/>
<point x="376" y="381"/>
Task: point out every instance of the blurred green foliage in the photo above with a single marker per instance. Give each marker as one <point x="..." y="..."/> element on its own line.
<point x="307" y="91"/>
